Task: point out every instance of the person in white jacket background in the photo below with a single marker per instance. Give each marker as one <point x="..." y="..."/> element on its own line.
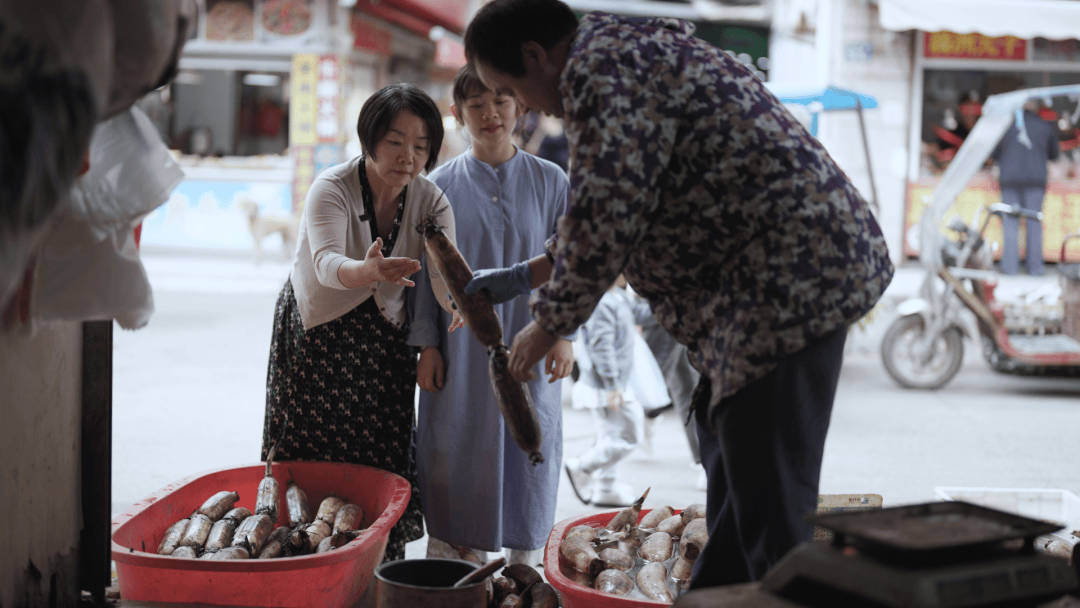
<point x="605" y="355"/>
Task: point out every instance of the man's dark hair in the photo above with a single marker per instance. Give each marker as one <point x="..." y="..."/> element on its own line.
<point x="498" y="30"/>
<point x="465" y="83"/>
<point x="380" y="109"/>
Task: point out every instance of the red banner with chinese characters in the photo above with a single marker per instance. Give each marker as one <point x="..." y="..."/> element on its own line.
<point x="973" y="46"/>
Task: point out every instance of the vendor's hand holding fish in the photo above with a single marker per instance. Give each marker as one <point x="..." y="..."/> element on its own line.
<point x="530" y="345"/>
<point x="504" y="283"/>
<point x="559" y="361"/>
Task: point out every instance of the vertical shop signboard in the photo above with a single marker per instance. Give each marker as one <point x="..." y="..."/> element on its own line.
<point x="303" y="117"/>
<point x="328" y="123"/>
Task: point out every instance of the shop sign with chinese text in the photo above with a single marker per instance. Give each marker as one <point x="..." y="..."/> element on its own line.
<point x="950" y="45"/>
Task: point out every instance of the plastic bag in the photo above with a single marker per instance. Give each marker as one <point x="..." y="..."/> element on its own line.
<point x="131" y="173"/>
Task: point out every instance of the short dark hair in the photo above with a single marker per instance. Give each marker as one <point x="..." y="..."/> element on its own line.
<point x="380" y="109"/>
<point x="464" y="84"/>
<point x="498" y="30"/>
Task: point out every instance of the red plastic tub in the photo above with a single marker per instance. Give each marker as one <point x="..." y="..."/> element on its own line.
<point x="335" y="579"/>
<point x="575" y="595"/>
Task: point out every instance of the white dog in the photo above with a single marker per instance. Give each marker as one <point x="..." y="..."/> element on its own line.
<point x="262" y="226"/>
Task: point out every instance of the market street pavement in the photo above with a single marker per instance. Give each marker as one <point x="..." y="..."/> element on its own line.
<point x="188" y="396"/>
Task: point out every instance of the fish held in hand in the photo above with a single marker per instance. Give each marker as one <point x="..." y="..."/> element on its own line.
<point x="615" y="582"/>
<point x="515" y="404"/>
<point x="652" y="581"/>
<point x="477" y="309"/>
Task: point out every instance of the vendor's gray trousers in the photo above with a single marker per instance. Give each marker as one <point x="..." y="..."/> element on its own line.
<point x="1030" y="198"/>
<point x="763" y="459"/>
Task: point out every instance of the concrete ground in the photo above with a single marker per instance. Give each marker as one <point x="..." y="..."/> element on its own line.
<point x="189" y="397"/>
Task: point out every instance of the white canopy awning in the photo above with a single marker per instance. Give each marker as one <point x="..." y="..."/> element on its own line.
<point x="1054" y="19"/>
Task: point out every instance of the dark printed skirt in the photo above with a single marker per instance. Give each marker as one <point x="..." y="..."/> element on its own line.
<point x="344" y="392"/>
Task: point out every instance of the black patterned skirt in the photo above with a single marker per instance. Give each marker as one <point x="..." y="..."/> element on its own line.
<point x="343" y="391"/>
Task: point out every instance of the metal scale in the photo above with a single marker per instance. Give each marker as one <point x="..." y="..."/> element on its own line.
<point x="934" y="555"/>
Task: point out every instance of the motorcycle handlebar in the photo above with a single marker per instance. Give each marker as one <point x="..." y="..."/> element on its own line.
<point x="1003" y="209"/>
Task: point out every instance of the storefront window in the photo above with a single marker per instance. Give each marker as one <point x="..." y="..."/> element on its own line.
<point x="227" y="113"/>
<point x="952" y="101"/>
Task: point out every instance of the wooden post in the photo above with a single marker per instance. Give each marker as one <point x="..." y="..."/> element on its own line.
<point x="95" y="572"/>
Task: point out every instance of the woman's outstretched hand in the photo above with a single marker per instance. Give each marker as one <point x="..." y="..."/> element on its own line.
<point x="389" y="270"/>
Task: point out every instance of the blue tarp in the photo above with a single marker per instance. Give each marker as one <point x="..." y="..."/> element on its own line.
<point x="817" y="99"/>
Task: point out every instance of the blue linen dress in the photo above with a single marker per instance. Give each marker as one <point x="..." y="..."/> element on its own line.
<point x="478" y="488"/>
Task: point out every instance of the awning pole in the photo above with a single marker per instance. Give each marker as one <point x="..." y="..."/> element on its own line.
<point x="869" y="165"/>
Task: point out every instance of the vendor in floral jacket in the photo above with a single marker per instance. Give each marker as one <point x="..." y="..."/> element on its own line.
<point x="752" y="246"/>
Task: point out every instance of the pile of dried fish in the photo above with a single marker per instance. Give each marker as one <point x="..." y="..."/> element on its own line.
<point x="217" y="530"/>
<point x="650" y="559"/>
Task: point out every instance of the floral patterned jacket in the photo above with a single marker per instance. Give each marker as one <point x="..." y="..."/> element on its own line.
<point x="688" y="175"/>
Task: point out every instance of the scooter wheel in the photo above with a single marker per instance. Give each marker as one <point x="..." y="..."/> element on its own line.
<point x="898" y="353"/>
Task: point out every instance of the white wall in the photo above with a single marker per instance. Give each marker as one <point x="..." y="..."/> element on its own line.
<point x="841" y="42"/>
<point x="40" y="402"/>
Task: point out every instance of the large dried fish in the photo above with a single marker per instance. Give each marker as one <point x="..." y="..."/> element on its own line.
<point x="217" y="505"/>
<point x="185" y="552"/>
<point x="615" y="582"/>
<point x="673" y="525"/>
<point x="652" y="581"/>
<point x="172" y="538"/>
<point x="348" y="518"/>
<point x="269" y="493"/>
<point x="581" y="556"/>
<point x="221" y="534"/>
<point x="328" y="509"/>
<point x="681" y="569"/>
<point x="656" y="548"/>
<point x="626" y="519"/>
<point x="297" y="504"/>
<point x="275" y="545"/>
<point x="477" y="310"/>
<point x="515" y="403"/>
<point x="196" y="532"/>
<point x="694" y="537"/>
<point x="617" y="559"/>
<point x="654" y="517"/>
<point x="253" y="533"/>
<point x="694" y="511"/>
<point x="316" y="532"/>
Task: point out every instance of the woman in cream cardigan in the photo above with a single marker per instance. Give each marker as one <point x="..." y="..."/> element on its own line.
<point x="341" y="378"/>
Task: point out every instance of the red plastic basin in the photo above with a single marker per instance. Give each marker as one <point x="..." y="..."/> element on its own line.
<point x="335" y="579"/>
<point x="575" y="595"/>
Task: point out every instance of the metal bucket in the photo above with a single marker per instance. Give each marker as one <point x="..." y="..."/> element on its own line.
<point x="428" y="583"/>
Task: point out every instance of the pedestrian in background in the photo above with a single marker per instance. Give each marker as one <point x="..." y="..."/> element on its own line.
<point x="1021" y="156"/>
<point x="750" y="243"/>
<point x="605" y="354"/>
<point x="341" y="380"/>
